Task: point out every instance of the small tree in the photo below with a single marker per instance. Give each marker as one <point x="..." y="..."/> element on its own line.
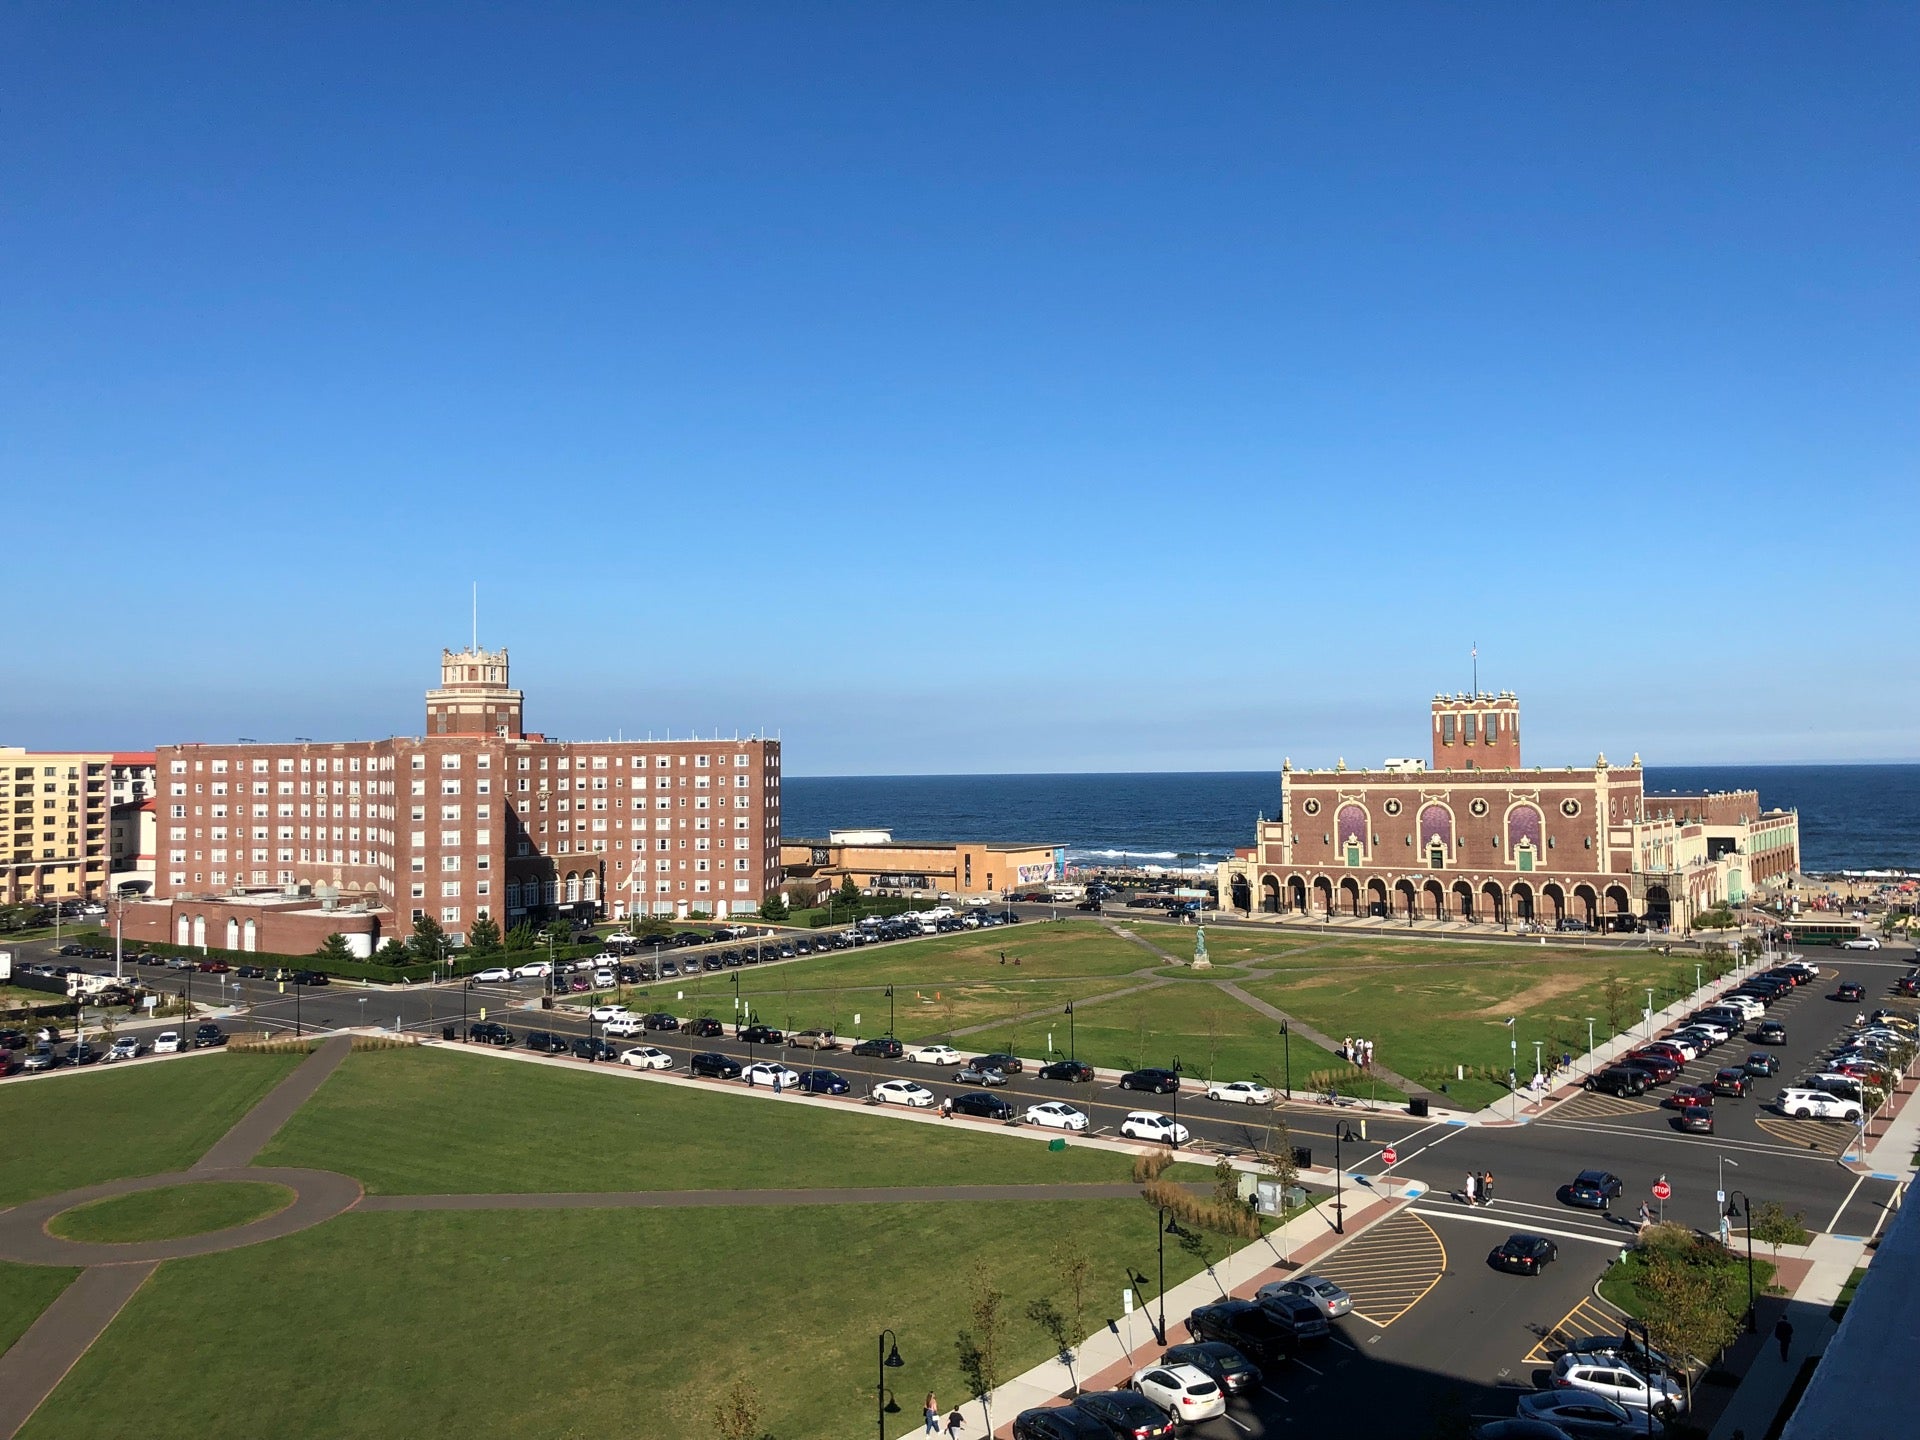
<point x="774" y="907"/>
<point x="394" y="952"/>
<point x="1226" y="1182"/>
<point x="1074" y="1265"/>
<point x="484" y="937"/>
<point x="1613" y="1001"/>
<point x="335" y="948"/>
<point x="1048" y="1320"/>
<point x="429" y="943"/>
<point x="1749" y="947"/>
<point x="520" y="937"/>
<point x="1774" y="1227"/>
<point x="848" y="895"/>
<point x="654" y="927"/>
<point x="980" y="1346"/>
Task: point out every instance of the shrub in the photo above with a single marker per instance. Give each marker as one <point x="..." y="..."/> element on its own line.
<point x="1234" y="1219"/>
<point x="1150" y="1166"/>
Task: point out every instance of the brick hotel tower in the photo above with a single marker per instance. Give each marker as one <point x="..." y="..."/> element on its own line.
<point x="273" y="846"/>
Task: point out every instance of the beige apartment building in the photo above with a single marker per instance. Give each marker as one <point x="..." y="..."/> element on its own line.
<point x="56" y="825"/>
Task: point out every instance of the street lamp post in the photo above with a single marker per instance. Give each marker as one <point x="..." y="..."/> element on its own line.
<point x="1646" y="1358"/>
<point x="889" y="1356"/>
<point x="1341" y="1131"/>
<point x="1590" y="1020"/>
<point x="1167" y="1226"/>
<point x="890" y="1016"/>
<point x="1177" y="1071"/>
<point x="1073" y="1049"/>
<point x="1286" y="1044"/>
<point x="1746" y="1209"/>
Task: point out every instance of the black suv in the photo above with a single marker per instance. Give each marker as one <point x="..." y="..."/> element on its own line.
<point x="207" y="1035"/>
<point x="585" y="1049"/>
<point x="1219" y="1362"/>
<point x="545" y="1042"/>
<point x="1059" y="1422"/>
<point x="1300" y="1315"/>
<point x="714" y="1065"/>
<point x="1252" y="1329"/>
<point x="1125" y="1413"/>
<point x="885" y="1046"/>
<point x="1621" y="1080"/>
<point x="489" y="1032"/>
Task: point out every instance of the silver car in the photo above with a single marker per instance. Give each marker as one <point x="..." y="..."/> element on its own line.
<point x="1327" y="1297"/>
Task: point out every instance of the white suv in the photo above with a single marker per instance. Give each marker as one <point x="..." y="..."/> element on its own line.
<point x="1614" y="1378"/>
<point x="1815" y="1105"/>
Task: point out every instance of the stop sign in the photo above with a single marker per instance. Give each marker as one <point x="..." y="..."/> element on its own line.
<point x="1389" y="1155"/>
<point x="1661" y="1190"/>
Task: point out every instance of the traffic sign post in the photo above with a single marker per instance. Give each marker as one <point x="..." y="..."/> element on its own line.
<point x="1389" y="1155"/>
<point x="1661" y="1190"/>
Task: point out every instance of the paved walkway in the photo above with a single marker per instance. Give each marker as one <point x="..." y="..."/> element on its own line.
<point x="250" y="1134"/>
<point x="40" y="1359"/>
<point x="1327" y="1042"/>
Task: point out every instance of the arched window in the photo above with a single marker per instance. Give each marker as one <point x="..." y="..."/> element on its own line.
<point x="1350" y="829"/>
<point x="1436" y="834"/>
<point x="1525" y="828"/>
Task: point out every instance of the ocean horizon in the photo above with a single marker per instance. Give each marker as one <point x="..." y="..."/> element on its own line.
<point x="1853" y="816"/>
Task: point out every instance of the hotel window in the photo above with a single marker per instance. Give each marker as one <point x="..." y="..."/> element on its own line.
<point x="450" y="889"/>
<point x="449" y="787"/>
<point x="1446" y="729"/>
<point x="739" y="760"/>
<point x="450" y="863"/>
<point x="450" y="916"/>
<point x="449" y="839"/>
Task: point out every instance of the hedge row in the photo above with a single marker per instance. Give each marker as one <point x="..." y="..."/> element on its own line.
<point x="367" y="969"/>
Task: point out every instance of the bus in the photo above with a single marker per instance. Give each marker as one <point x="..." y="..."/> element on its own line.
<point x="1804" y="931"/>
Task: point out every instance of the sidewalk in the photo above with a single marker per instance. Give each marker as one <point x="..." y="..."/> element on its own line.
<point x="1110" y="1356"/>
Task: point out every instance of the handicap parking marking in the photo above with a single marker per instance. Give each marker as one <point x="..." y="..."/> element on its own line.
<point x="1828" y="1137"/>
<point x="1598" y="1105"/>
<point x="1586" y="1318"/>
<point x="1388" y="1270"/>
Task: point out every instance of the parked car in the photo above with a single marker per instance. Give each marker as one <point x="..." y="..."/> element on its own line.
<point x="1618" y="1381"/>
<point x="1523" y="1254"/>
<point x="1247" y="1326"/>
<point x="493" y="974"/>
<point x="1240" y="1092"/>
<point x="1729" y="1080"/>
<point x="1161" y="1082"/>
<point x="1622" y="1080"/>
<point x="982" y="1106"/>
<point x="490" y="1032"/>
<point x="1816" y="1105"/>
<point x="660" y="1020"/>
<point x="760" y="1035"/>
<point x="934" y="1055"/>
<point x="1059" y="1422"/>
<point x="206" y="1035"/>
<point x="1056" y="1115"/>
<point x="1152" y="1125"/>
<point x="1329" y="1298"/>
<point x="1593" y="1189"/>
<point x="767" y="1073"/>
<point x="1077" y="1071"/>
<point x="43" y="1057"/>
<point x="127" y="1047"/>
<point x="883" y="1047"/>
<point x="544" y="1042"/>
<point x="713" y="1065"/>
<point x="1302" y="1316"/>
<point x="167" y="1042"/>
<point x="1662" y="1067"/>
<point x="1126" y="1414"/>
<point x="1186" y="1393"/>
<point x="903" y="1092"/>
<point x="821" y="1082"/>
<point x="646" y="1057"/>
<point x="1226" y="1366"/>
<point x="1581" y="1414"/>
<point x="251" y="972"/>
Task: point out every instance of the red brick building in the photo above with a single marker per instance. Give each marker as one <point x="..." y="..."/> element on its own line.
<point x="476" y="817"/>
<point x="1477" y="835"/>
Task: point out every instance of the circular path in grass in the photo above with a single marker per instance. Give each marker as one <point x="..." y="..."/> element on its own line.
<point x="170" y="1212"/>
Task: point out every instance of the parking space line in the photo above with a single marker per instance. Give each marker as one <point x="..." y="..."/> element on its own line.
<point x="1584" y="1319"/>
<point x="1269" y="1390"/>
<point x="1388" y="1270"/>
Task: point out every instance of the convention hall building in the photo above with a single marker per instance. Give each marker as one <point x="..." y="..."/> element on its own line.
<point x="1475" y="835"/>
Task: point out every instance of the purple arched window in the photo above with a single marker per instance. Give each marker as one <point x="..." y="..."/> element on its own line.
<point x="1436" y="826"/>
<point x="1524" y="824"/>
<point x="1351" y="827"/>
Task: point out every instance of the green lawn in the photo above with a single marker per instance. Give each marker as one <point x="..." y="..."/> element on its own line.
<point x="433" y="1121"/>
<point x="1427" y="1018"/>
<point x="1225" y="946"/>
<point x="142" y="1118"/>
<point x="26" y="1290"/>
<point x="170" y="1212"/>
<point x="480" y="1325"/>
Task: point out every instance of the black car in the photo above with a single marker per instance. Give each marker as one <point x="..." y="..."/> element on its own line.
<point x="207" y="1035"/>
<point x="1077" y="1071"/>
<point x="706" y="1028"/>
<point x="251" y="972"/>
<point x="983" y="1106"/>
<point x="1593" y="1189"/>
<point x="84" y="1054"/>
<point x="595" y="1049"/>
<point x="1851" y="992"/>
<point x="1622" y="1080"/>
<point x="489" y="1032"/>
<point x="1248" y="1327"/>
<point x="1761" y="1063"/>
<point x="1219" y="1362"/>
<point x="822" y="1082"/>
<point x="714" y="1065"/>
<point x="310" y="977"/>
<point x="1729" y="1080"/>
<point x="659" y="1020"/>
<point x="1770" y="1032"/>
<point x="545" y="1042"/>
<point x="1127" y="1414"/>
<point x="884" y="1046"/>
<point x="1161" y="1082"/>
<point x="71" y="950"/>
<point x="1524" y="1254"/>
<point x="761" y="1035"/>
<point x="1060" y="1422"/>
<point x="1005" y="1064"/>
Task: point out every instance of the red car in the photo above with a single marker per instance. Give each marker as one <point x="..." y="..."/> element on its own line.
<point x="1684" y="1096"/>
<point x="1662" y="1066"/>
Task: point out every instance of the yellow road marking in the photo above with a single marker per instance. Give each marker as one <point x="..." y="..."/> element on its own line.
<point x="1390" y="1269"/>
<point x="1586" y="1318"/>
<point x="1829" y="1137"/>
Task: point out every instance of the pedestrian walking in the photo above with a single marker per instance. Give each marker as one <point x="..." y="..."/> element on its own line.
<point x="776" y="1080"/>
<point x="1473" y="1188"/>
<point x="954" y="1422"/>
<point x="1346" y="1047"/>
<point x="1369" y="1054"/>
<point x="930" y="1412"/>
<point x="1646" y="1214"/>
<point x="1486" y="1187"/>
<point x="1783" y="1332"/>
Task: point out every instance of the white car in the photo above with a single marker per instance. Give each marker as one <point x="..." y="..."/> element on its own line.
<point x="1814" y="1105"/>
<point x="1745" y="1004"/>
<point x="1681" y="1043"/>
<point x="627" y="1024"/>
<point x="766" y="1072"/>
<point x="539" y="970"/>
<point x="603" y="979"/>
<point x="646" y="1057"/>
<point x="903" y="1092"/>
<point x="1718" y="1032"/>
<point x="934" y="1055"/>
<point x="1152" y="1125"/>
<point x="1244" y="1092"/>
<point x="1184" y="1391"/>
<point x="127" y="1047"/>
<point x="167" y="1042"/>
<point x="1861" y="942"/>
<point x="609" y="1012"/>
<point x="1614" y="1378"/>
<point x="1056" y="1115"/>
<point x="493" y="973"/>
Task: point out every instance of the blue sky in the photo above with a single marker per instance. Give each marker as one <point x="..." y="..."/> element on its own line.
<point x="967" y="387"/>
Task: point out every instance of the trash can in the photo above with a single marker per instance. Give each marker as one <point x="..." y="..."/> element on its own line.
<point x="449" y="1032"/>
<point x="546" y="1002"/>
<point x="1302" y="1157"/>
<point x="1417" y="1107"/>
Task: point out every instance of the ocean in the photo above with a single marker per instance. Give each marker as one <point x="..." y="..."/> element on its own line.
<point x="1852" y="817"/>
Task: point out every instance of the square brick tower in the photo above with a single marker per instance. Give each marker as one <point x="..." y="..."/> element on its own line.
<point x="1476" y="732"/>
<point x="473" y="698"/>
